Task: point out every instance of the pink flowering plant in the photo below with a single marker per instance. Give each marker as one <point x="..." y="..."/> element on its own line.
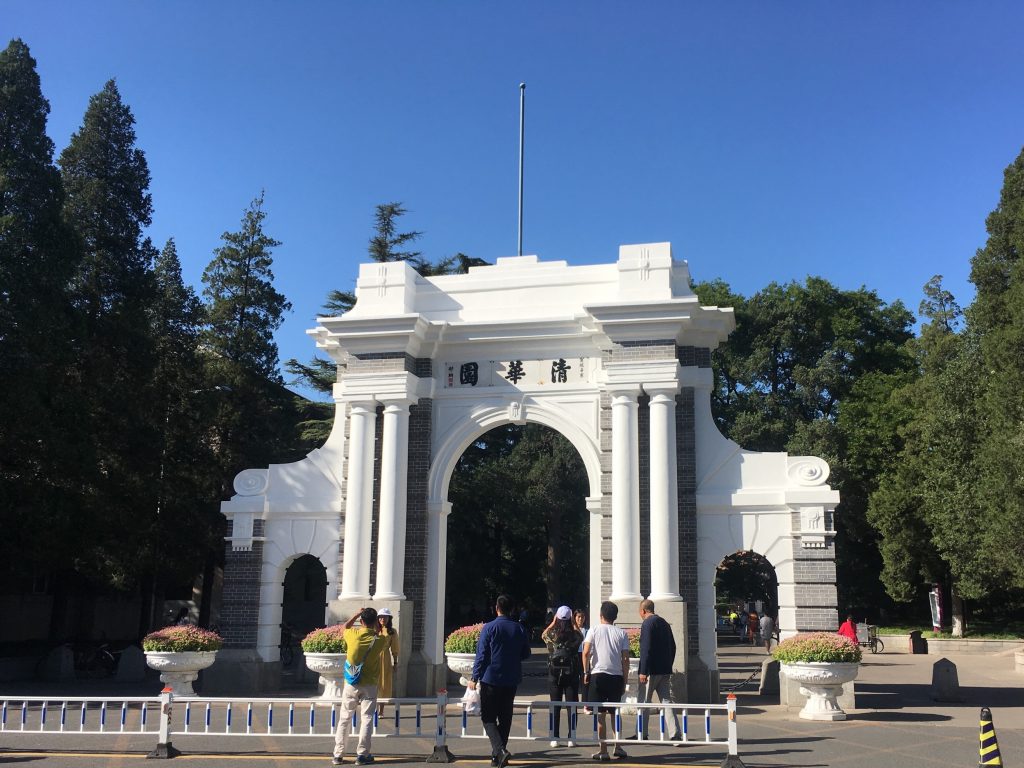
<point x="817" y="646"/>
<point x="463" y="639"/>
<point x="325" y="640"/>
<point x="634" y="642"/>
<point x="182" y="638"/>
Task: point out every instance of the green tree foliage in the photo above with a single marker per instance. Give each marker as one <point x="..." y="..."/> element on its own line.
<point x="187" y="525"/>
<point x="996" y="318"/>
<point x="744" y="576"/>
<point x="798" y="374"/>
<point x="255" y="415"/>
<point x="37" y="324"/>
<point x="518" y="523"/>
<point x="106" y="180"/>
<point x="386" y="243"/>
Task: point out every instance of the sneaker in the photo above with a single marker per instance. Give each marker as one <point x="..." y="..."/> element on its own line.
<point x="553" y="743"/>
<point x="364" y="759"/>
<point x="570" y="743"/>
<point x="619" y="753"/>
<point x="338" y="760"/>
<point x="601" y="757"/>
<point x="503" y="758"/>
<point x="676" y="737"/>
<point x="494" y="761"/>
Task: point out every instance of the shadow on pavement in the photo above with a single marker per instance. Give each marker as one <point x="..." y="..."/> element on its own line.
<point x="899" y="717"/>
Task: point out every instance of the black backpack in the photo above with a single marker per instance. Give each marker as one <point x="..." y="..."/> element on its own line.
<point x="562" y="665"/>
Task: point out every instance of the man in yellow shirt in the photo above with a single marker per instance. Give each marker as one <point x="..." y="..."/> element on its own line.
<point x="362" y="674"/>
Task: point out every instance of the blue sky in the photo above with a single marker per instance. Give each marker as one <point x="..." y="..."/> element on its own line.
<point x="863" y="142"/>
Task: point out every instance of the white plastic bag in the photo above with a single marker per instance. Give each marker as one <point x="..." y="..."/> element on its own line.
<point x="471" y="701"/>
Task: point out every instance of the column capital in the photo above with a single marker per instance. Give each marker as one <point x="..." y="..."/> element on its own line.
<point x="397" y="404"/>
<point x="662" y="396"/>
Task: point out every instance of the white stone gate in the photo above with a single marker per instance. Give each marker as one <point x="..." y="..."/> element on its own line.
<point x="616" y="358"/>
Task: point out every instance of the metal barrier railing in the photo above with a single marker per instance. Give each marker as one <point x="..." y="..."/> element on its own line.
<point x="204" y="716"/>
<point x="725" y="733"/>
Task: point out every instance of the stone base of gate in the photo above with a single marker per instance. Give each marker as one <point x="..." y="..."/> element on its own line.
<point x="239" y="671"/>
<point x="424" y="678"/>
<point x="702" y="684"/>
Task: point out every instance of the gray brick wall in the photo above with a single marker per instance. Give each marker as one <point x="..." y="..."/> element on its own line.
<point x="420" y="425"/>
<point x="686" y="481"/>
<point x="239" y="614"/>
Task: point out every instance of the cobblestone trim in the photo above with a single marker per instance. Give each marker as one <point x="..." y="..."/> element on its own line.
<point x="605" y="447"/>
<point x="375" y="362"/>
<point x="378" y="445"/>
<point x="686" y="481"/>
<point x="423" y="367"/>
<point x="420" y="425"/>
<point x="240" y="605"/>
<point x="644" y="478"/>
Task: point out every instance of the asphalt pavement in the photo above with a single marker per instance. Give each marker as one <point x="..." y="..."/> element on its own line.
<point x="895" y="723"/>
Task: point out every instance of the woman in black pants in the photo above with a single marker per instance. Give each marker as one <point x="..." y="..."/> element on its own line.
<point x="563" y="641"/>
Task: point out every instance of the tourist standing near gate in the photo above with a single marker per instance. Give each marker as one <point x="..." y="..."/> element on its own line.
<point x="605" y="668"/>
<point x="388" y="656"/>
<point x="657" y="655"/>
<point x="563" y="641"/>
<point x="362" y="674"/>
<point x="498" y="670"/>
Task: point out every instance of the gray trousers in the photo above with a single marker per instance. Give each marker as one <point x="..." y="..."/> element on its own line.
<point x="660" y="685"/>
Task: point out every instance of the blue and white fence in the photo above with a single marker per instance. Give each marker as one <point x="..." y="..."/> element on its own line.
<point x="168" y="720"/>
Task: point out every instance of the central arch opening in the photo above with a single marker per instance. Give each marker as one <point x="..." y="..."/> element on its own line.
<point x="518" y="525"/>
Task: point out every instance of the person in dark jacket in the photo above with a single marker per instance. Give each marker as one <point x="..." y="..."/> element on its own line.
<point x="657" y="654"/>
<point x="498" y="670"/>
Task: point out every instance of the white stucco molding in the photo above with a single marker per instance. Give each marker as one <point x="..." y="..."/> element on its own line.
<point x="383" y="387"/>
<point x="348" y="335"/>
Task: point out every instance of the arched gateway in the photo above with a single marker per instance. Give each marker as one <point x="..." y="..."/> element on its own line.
<point x="615" y="357"/>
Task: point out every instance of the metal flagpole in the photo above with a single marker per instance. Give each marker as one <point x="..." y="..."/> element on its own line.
<point x="522" y="129"/>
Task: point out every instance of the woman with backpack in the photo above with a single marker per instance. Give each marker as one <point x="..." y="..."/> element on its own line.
<point x="563" y="641"/>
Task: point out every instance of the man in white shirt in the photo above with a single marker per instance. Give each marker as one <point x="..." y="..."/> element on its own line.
<point x="605" y="668"/>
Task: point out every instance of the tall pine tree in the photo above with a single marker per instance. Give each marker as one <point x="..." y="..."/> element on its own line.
<point x="38" y="471"/>
<point x="106" y="180"/>
<point x="256" y="414"/>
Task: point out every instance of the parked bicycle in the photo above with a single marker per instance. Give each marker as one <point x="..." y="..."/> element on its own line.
<point x="867" y="636"/>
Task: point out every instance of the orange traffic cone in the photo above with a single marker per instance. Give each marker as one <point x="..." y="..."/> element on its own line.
<point x="988" y="753"/>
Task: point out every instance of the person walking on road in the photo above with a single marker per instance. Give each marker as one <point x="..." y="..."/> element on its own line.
<point x="605" y="668"/>
<point x="657" y="655"/>
<point x="362" y="675"/>
<point x="767" y="629"/>
<point x="498" y="670"/>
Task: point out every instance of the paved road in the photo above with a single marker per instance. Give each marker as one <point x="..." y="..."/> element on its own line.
<point x="894" y="725"/>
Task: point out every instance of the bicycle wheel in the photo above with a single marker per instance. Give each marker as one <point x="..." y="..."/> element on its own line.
<point x="877" y="646"/>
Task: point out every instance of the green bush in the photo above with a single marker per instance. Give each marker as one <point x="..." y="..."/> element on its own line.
<point x="463" y="639"/>
<point x="817" y="646"/>
<point x="325" y="640"/>
<point x="182" y="638"/>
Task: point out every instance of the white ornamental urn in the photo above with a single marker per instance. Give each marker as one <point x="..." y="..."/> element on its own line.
<point x="331" y="668"/>
<point x="462" y="665"/>
<point x="179" y="669"/>
<point x="822" y="683"/>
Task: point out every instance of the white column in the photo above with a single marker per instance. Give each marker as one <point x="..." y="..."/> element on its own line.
<point x="664" y="499"/>
<point x="355" y="572"/>
<point x="625" y="497"/>
<point x="394" y="462"/>
<point x="437" y="564"/>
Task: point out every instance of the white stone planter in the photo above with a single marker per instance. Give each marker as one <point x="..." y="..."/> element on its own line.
<point x="821" y="682"/>
<point x="179" y="669"/>
<point x="331" y="668"/>
<point x="462" y="665"/>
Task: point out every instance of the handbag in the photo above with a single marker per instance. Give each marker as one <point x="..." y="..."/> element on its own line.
<point x="471" y="701"/>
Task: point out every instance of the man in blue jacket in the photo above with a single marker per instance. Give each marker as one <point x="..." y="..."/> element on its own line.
<point x="498" y="670"/>
<point x="657" y="654"/>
